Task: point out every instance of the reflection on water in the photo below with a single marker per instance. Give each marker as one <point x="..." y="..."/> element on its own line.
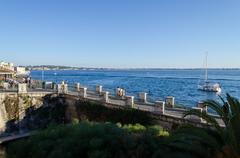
<point x="2" y="152"/>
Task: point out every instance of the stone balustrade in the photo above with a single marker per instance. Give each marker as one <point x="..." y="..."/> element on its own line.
<point x="105" y="96"/>
<point x="6" y="85"/>
<point x="83" y="92"/>
<point x="22" y="88"/>
<point x="143" y="97"/>
<point x="159" y="107"/>
<point x="196" y="118"/>
<point x="170" y="102"/>
<point x="77" y="87"/>
<point x="201" y="105"/>
<point x="99" y="89"/>
<point x="130" y="101"/>
<point x="62" y="88"/>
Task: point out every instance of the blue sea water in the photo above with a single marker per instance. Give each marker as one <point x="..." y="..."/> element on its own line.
<point x="180" y="83"/>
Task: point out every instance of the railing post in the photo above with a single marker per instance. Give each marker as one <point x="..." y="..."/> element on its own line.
<point x="130" y="101"/>
<point x="170" y="101"/>
<point x="77" y="86"/>
<point x="201" y="105"/>
<point x="22" y="88"/>
<point x="196" y="118"/>
<point x="83" y="92"/>
<point x="105" y="95"/>
<point x="99" y="89"/>
<point x="62" y="88"/>
<point x="6" y="85"/>
<point x="143" y="97"/>
<point x="160" y="107"/>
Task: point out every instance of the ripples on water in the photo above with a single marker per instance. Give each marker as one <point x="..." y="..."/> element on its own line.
<point x="182" y="84"/>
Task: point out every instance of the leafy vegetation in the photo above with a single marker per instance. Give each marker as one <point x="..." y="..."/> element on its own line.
<point x="88" y="140"/>
<point x="224" y="140"/>
<point x="129" y="138"/>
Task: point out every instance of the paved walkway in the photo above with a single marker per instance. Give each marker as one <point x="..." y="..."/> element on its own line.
<point x="14" y="137"/>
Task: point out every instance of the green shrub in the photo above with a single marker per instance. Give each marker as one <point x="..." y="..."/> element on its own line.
<point x="86" y="139"/>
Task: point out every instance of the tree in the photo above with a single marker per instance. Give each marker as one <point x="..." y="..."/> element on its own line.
<point x="229" y="135"/>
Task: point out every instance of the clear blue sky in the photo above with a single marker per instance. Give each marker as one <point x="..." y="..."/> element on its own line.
<point x="120" y="33"/>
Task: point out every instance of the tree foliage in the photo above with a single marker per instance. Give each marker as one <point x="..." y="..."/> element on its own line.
<point x="229" y="135"/>
<point x="88" y="139"/>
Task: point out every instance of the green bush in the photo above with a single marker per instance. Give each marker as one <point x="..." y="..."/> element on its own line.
<point x="86" y="139"/>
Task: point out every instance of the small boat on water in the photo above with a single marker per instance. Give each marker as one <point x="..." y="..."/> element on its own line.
<point x="206" y="85"/>
<point x="210" y="87"/>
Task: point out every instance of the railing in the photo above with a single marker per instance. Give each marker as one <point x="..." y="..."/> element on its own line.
<point x="8" y="90"/>
<point x="139" y="101"/>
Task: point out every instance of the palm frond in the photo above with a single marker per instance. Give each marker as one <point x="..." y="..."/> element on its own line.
<point x="234" y="132"/>
<point x="214" y="105"/>
<point x="234" y="104"/>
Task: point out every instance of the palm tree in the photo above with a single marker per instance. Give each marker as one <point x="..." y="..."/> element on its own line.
<point x="229" y="135"/>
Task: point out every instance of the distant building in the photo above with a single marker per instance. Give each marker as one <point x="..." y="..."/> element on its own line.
<point x="4" y="74"/>
<point x="6" y="70"/>
<point x="21" y="71"/>
<point x="6" y="66"/>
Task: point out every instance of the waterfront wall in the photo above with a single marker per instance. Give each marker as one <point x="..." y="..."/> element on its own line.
<point x="167" y="121"/>
<point x="13" y="106"/>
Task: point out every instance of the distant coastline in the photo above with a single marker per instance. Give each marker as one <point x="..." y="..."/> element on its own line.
<point x="56" y="67"/>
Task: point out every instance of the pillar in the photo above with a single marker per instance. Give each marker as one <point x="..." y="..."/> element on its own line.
<point x="22" y="88"/>
<point x="201" y="105"/>
<point x="62" y="88"/>
<point x="196" y="118"/>
<point x="99" y="89"/>
<point x="105" y="96"/>
<point x="77" y="86"/>
<point x="83" y="92"/>
<point x="160" y="107"/>
<point x="130" y="101"/>
<point x="170" y="102"/>
<point x="6" y="85"/>
<point x="143" y="97"/>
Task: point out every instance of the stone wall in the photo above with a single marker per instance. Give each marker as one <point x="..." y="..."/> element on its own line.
<point x="166" y="121"/>
<point x="14" y="105"/>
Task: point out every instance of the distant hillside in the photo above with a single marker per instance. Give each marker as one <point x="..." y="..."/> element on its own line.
<point x="55" y="67"/>
<point x="52" y="67"/>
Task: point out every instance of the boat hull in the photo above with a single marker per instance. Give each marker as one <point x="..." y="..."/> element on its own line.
<point x="210" y="87"/>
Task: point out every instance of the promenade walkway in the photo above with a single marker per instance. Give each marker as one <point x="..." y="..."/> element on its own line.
<point x="14" y="137"/>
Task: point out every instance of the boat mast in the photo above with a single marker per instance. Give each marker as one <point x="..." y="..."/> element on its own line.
<point x="206" y="68"/>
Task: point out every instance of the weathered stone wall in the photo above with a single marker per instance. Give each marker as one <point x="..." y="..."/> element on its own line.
<point x="166" y="121"/>
<point x="14" y="105"/>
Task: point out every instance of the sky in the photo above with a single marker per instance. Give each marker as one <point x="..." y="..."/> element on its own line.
<point x="121" y="33"/>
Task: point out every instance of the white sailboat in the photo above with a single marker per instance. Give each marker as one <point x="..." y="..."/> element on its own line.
<point x="207" y="85"/>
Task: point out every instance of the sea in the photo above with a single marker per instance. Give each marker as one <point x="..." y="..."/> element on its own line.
<point x="158" y="83"/>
